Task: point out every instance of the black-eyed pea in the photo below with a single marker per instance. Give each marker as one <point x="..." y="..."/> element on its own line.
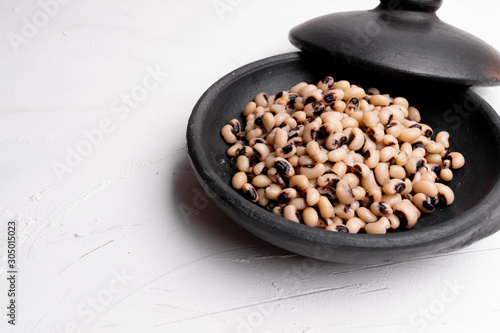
<point x="370" y="182"/>
<point x="443" y="138"/>
<point x="249" y="109"/>
<point x="234" y="150"/>
<point x="401" y="101"/>
<point x="407" y="149"/>
<point x="339" y="106"/>
<point x="357" y="139"/>
<point x="340" y="168"/>
<point x="255" y="141"/>
<point x="366" y="215"/>
<point x="409" y="187"/>
<point x="418" y="152"/>
<point x="262" y="100"/>
<point x="284" y="168"/>
<point x="372" y="158"/>
<point x="294" y="161"/>
<point x="407" y="213"/>
<point x="378" y="228"/>
<point x="426" y="130"/>
<point x="409" y="134"/>
<point x="401" y="159"/>
<point x="380" y="100"/>
<point x="356" y="92"/>
<point x="445" y="195"/>
<point x="351" y="179"/>
<point x="424" y="203"/>
<point x="446" y="175"/>
<point x="394" y="221"/>
<point x="290" y="212"/>
<point x="397" y="172"/>
<point x="312" y="171"/>
<point x="239" y="179"/>
<point x="433" y="158"/>
<point x="364" y="105"/>
<point x="360" y="169"/>
<point x="326" y="83"/>
<point x="305" y="89"/>
<point x="355" y="225"/>
<point x="414" y="114"/>
<point x="358" y="115"/>
<point x="349" y="122"/>
<point x="394" y="128"/>
<point x="261" y="181"/>
<point x="388" y="153"/>
<point x="255" y="133"/>
<point x="343" y="211"/>
<point x="392" y="199"/>
<point x="312" y="196"/>
<point x="325" y="207"/>
<point x="286" y="151"/>
<point x="374" y="195"/>
<point x="381" y="172"/>
<point x="430" y="176"/>
<point x="272" y="191"/>
<point x="343" y="84"/>
<point x="263" y="200"/>
<point x="301" y="151"/>
<point x="350" y="159"/>
<point x="228" y="135"/>
<point x="310" y="217"/>
<point x="280" y="118"/>
<point x="344" y="192"/>
<point x="286" y="196"/>
<point x="299" y="182"/>
<point x="375" y="133"/>
<point x="414" y="164"/>
<point x="314" y="109"/>
<point x="242" y="163"/>
<point x="280" y="138"/>
<point x="268" y="121"/>
<point x="278" y="210"/>
<point x="394" y="186"/>
<point x="352" y="106"/>
<point x="370" y="119"/>
<point x="457" y="160"/>
<point x="359" y="193"/>
<point x="337" y="155"/>
<point x="338" y="228"/>
<point x="381" y="208"/>
<point x="262" y="150"/>
<point x="295" y="89"/>
<point x="311" y="131"/>
<point x="369" y="144"/>
<point x="390" y="141"/>
<point x="328" y="179"/>
<point x="306" y="160"/>
<point x="250" y="193"/>
<point x="270" y="160"/>
<point x="299" y="116"/>
<point x="427" y="187"/>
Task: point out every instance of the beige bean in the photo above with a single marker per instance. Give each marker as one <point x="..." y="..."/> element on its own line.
<point x="433" y="158"/>
<point x="370" y="119"/>
<point x="381" y="208"/>
<point x="382" y="173"/>
<point x="369" y="182"/>
<point x="263" y="200"/>
<point x="379" y="100"/>
<point x="310" y="216"/>
<point x="328" y="179"/>
<point x="312" y="171"/>
<point x="392" y="199"/>
<point x="355" y="92"/>
<point x="343" y="211"/>
<point x="312" y="196"/>
<point x="457" y="160"/>
<point x="325" y="207"/>
<point x="426" y="187"/>
<point x="272" y="191"/>
<point x="290" y="212"/>
<point x="366" y="215"/>
<point x="378" y="228"/>
<point x="344" y="192"/>
<point x="388" y="153"/>
<point x="357" y="139"/>
<point x="261" y="181"/>
<point x="286" y="151"/>
<point x="280" y="138"/>
<point x="414" y="114"/>
<point x="372" y="158"/>
<point x="409" y="134"/>
<point x="359" y="192"/>
<point x="407" y="213"/>
<point x="299" y="182"/>
<point x="343" y="84"/>
<point x="337" y="155"/>
<point x="286" y="196"/>
<point x="401" y="101"/>
<point x="444" y="139"/>
<point x="228" y="135"/>
<point x="250" y="193"/>
<point x="397" y="172"/>
<point x="299" y="203"/>
<point x="446" y="175"/>
<point x="445" y="194"/>
<point x="394" y="221"/>
<point x="239" y="179"/>
<point x="349" y="122"/>
<point x="355" y="225"/>
<point x="242" y="163"/>
<point x="374" y="194"/>
<point x="424" y="203"/>
<point x="340" y="168"/>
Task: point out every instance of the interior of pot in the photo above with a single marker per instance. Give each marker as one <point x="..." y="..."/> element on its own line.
<point x="442" y="107"/>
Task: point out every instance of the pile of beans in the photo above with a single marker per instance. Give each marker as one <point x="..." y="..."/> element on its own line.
<point x="336" y="157"/>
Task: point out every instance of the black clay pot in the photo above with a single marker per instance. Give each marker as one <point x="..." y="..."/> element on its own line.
<point x="473" y="125"/>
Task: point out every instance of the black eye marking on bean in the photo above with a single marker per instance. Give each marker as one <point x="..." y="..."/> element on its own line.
<point x="258" y="121"/>
<point x="416" y="126"/>
<point x="341" y="228"/>
<point x="400" y="187"/>
<point x="254" y="160"/>
<point x="279" y="95"/>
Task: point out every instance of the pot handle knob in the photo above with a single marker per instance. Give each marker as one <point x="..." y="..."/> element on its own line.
<point x="412" y="5"/>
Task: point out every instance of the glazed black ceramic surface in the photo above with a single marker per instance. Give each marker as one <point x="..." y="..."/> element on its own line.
<point x="404" y="38"/>
<point x="473" y="125"/>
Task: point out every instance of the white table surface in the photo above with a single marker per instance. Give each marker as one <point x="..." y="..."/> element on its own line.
<point x="103" y="246"/>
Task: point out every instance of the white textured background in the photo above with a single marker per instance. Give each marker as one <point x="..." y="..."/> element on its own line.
<point x="105" y="247"/>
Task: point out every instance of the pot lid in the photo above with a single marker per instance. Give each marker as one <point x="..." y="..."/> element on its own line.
<point x="402" y="38"/>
